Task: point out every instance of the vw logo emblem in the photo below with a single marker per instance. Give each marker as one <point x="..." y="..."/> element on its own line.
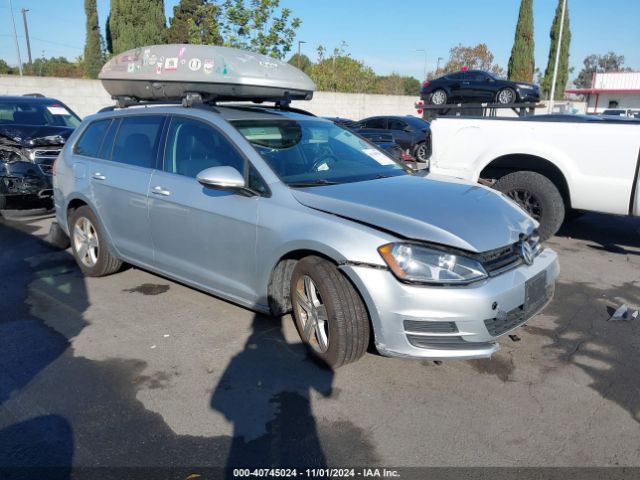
<point x="527" y="252"/>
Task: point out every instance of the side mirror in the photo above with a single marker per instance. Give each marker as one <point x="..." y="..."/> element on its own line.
<point x="407" y="129"/>
<point x="221" y="177"/>
<point x="489" y="79"/>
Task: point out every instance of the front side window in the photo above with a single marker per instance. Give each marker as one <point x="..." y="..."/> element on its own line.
<point x="91" y="139"/>
<point x="193" y="146"/>
<point x="311" y="152"/>
<point x="397" y="125"/>
<point x="376" y="123"/>
<point x="137" y="140"/>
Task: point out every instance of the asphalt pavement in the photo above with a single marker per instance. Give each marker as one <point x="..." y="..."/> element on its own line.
<point x="136" y="370"/>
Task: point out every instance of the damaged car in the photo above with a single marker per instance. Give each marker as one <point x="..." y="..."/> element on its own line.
<point x="33" y="129"/>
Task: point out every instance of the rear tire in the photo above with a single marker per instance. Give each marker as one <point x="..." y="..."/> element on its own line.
<point x="89" y="244"/>
<point x="330" y="316"/>
<point x="439" y="97"/>
<point x="536" y="194"/>
<point x="421" y="152"/>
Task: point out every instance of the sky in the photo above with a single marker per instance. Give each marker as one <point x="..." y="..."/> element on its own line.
<point x="389" y="36"/>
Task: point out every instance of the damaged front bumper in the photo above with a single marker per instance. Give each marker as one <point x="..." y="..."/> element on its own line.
<point x="25" y="179"/>
<point x="443" y="323"/>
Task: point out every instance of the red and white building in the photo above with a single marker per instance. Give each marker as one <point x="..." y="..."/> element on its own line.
<point x="611" y="90"/>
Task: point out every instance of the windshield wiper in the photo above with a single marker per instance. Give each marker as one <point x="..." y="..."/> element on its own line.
<point x="312" y="183"/>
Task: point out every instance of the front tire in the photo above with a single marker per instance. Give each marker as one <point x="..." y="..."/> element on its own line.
<point x="506" y="96"/>
<point x="89" y="244"/>
<point x="538" y="195"/>
<point x="329" y="314"/>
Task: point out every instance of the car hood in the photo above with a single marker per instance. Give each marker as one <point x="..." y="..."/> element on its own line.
<point x="28" y="136"/>
<point x="429" y="208"/>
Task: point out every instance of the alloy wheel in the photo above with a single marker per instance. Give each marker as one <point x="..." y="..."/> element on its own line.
<point x="421" y="153"/>
<point x="528" y="201"/>
<point x="312" y="314"/>
<point x="439" y="97"/>
<point x="505" y="96"/>
<point x="85" y="242"/>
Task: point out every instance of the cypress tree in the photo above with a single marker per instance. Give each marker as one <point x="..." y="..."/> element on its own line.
<point x="136" y="23"/>
<point x="179" y="24"/>
<point x="563" y="62"/>
<point x="94" y="46"/>
<point x="521" y="62"/>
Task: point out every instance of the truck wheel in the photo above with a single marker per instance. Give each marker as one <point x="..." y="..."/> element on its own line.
<point x="89" y="244"/>
<point x="329" y="314"/>
<point x="538" y="196"/>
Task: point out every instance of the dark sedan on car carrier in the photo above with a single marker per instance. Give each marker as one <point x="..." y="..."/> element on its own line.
<point x="477" y="86"/>
<point x="33" y="129"/>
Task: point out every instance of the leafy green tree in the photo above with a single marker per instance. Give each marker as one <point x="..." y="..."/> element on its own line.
<point x="411" y="86"/>
<point x="57" y="67"/>
<point x="609" y="62"/>
<point x="94" y="45"/>
<point x="259" y="26"/>
<point x="6" y="69"/>
<point x="178" y="31"/>
<point x="196" y="22"/>
<point x="563" y="61"/>
<point x="136" y="23"/>
<point x="478" y="57"/>
<point x="521" y="62"/>
<point x="304" y="64"/>
<point x="203" y="27"/>
<point x="341" y="73"/>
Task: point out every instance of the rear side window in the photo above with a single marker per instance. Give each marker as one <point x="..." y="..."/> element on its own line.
<point x="91" y="139"/>
<point x="396" y="125"/>
<point x="456" y="76"/>
<point x="376" y="123"/>
<point x="137" y="140"/>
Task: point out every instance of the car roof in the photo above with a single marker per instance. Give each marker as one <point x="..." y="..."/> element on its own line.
<point x="27" y="99"/>
<point x="229" y="113"/>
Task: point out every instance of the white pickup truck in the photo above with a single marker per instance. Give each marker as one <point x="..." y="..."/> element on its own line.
<point x="553" y="165"/>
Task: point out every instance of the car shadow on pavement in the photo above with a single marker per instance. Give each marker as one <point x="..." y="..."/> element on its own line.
<point x="583" y="336"/>
<point x="611" y="233"/>
<point x="27" y="347"/>
<point x="265" y="392"/>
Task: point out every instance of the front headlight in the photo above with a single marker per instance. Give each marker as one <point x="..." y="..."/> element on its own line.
<point x="415" y="263"/>
<point x="10" y="155"/>
<point x="525" y="86"/>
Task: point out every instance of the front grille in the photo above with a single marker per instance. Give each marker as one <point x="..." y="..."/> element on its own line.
<point x="418" y="326"/>
<point x="445" y="343"/>
<point x="501" y="259"/>
<point x="45" y="158"/>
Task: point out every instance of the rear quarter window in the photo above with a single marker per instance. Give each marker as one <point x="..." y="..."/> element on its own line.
<point x="91" y="139"/>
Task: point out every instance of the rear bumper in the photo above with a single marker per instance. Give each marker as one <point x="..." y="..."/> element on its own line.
<point x="442" y="323"/>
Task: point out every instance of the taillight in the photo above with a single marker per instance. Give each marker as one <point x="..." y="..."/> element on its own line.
<point x="425" y="83"/>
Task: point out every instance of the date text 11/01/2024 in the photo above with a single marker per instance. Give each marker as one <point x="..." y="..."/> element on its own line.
<point x="316" y="472"/>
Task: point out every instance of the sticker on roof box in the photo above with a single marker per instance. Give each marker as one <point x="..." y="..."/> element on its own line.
<point x="208" y="66"/>
<point x="171" y="64"/>
<point x="379" y="157"/>
<point x="195" y="64"/>
<point x="57" y="110"/>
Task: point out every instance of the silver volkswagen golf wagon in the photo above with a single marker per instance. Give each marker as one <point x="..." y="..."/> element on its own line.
<point x="280" y="211"/>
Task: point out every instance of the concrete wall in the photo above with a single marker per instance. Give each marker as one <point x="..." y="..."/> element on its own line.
<point x="87" y="96"/>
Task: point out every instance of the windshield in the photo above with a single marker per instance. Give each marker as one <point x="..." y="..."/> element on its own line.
<point x="38" y="114"/>
<point x="311" y="152"/>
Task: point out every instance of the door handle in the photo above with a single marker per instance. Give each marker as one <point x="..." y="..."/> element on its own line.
<point x="158" y="190"/>
<point x="99" y="176"/>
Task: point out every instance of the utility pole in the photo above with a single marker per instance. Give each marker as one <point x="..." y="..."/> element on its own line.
<point x="26" y="33"/>
<point x="438" y="64"/>
<point x="300" y="42"/>
<point x="555" y="66"/>
<point x="15" y="37"/>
